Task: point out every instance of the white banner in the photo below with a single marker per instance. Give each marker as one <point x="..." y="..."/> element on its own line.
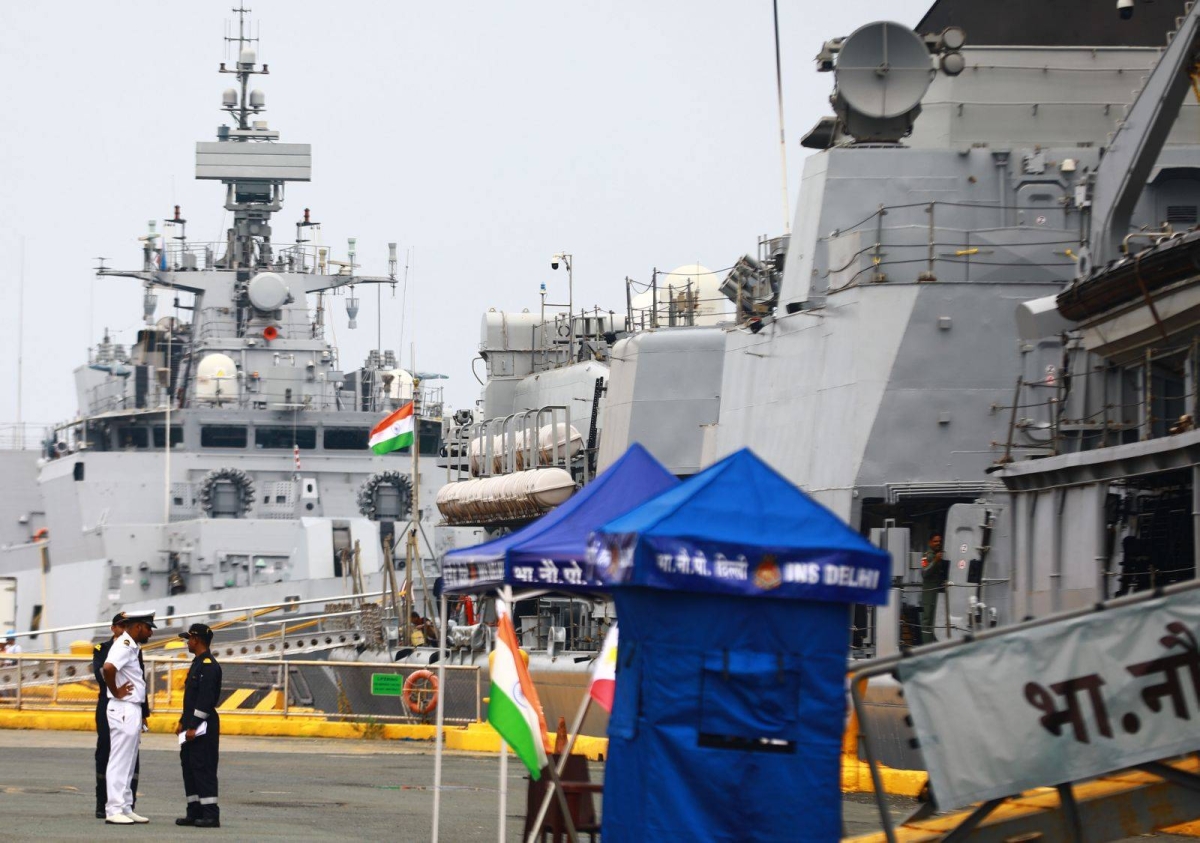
<point x="1057" y="703"/>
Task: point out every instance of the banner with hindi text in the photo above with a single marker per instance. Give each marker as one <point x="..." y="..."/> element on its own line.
<point x="1059" y="702"/>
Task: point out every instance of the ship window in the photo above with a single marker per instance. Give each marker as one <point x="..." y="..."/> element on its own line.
<point x="133" y="437"/>
<point x="222" y="436"/>
<point x="346" y="438"/>
<point x="176" y="436"/>
<point x="431" y="437"/>
<point x="284" y="438"/>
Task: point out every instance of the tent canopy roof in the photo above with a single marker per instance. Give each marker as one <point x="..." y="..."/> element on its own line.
<point x="551" y="552"/>
<point x="739" y="527"/>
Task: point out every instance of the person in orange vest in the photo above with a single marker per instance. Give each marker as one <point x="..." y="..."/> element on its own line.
<point x="934" y="573"/>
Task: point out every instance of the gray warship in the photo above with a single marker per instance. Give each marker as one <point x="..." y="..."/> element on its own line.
<point x="981" y="323"/>
<point x="221" y="460"/>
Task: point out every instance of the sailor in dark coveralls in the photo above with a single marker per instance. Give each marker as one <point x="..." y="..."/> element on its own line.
<point x="198" y="753"/>
<point x="103" y="744"/>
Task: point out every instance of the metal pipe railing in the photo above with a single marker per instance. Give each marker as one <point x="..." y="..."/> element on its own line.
<point x="155" y="663"/>
<point x="33" y="633"/>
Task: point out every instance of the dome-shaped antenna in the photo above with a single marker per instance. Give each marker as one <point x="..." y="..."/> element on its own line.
<point x="247" y="57"/>
<point x="258" y="99"/>
<point x="229" y="98"/>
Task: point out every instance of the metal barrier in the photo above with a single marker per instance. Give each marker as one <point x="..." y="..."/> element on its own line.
<point x="318" y="689"/>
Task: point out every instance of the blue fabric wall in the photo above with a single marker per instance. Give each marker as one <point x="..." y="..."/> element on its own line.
<point x="697" y="664"/>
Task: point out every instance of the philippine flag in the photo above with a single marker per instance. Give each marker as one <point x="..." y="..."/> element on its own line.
<point x="604" y="674"/>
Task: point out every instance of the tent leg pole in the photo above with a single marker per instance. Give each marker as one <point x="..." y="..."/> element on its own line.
<point x="536" y="829"/>
<point x="885" y="816"/>
<point x="441" y="719"/>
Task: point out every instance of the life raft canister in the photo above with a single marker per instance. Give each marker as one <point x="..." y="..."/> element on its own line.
<point x="421" y="699"/>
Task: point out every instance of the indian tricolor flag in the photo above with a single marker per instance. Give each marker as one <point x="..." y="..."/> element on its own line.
<point x="514" y="710"/>
<point x="394" y="432"/>
<point x="604" y="674"/>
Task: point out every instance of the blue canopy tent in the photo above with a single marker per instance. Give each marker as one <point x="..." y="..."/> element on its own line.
<point x="551" y="553"/>
<point x="732" y="590"/>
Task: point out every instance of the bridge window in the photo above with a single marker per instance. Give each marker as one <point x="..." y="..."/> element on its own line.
<point x="346" y="438"/>
<point x="222" y="436"/>
<point x="133" y="437"/>
<point x="284" y="438"/>
<point x="160" y="436"/>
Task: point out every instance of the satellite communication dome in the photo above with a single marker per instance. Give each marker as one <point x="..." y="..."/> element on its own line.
<point x="706" y="301"/>
<point x="399" y="386"/>
<point x="214" y="376"/>
<point x="268" y="291"/>
<point x="883" y="71"/>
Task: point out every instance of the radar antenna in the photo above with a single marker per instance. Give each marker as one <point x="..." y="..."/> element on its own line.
<point x="243" y="104"/>
<point x="247" y="159"/>
<point x="883" y="69"/>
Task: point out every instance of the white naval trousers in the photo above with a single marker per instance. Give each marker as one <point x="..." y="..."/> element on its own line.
<point x="125" y="733"/>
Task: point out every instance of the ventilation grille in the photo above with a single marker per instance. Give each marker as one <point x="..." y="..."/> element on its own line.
<point x="1185" y="214"/>
<point x="183" y="501"/>
<point x="277" y="500"/>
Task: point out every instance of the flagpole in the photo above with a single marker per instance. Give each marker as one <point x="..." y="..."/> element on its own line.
<point x="555" y="787"/>
<point x="413" y="548"/>
<point x="441" y="718"/>
<point x="585" y="705"/>
<point x="503" y="788"/>
<point x="506" y="596"/>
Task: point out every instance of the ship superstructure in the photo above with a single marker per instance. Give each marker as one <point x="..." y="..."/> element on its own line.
<point x="222" y="458"/>
<point x="874" y="354"/>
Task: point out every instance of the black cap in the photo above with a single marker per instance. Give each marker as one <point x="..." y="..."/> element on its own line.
<point x="200" y="630"/>
<point x="119" y="619"/>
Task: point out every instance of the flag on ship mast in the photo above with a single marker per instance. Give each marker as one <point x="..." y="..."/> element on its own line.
<point x="394" y="432"/>
<point x="604" y="674"/>
<point x="514" y="710"/>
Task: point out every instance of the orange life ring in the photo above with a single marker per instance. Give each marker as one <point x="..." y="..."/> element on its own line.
<point x="423" y="699"/>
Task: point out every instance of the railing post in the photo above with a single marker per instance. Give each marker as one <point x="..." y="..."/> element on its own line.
<point x="20" y="679"/>
<point x="478" y="695"/>
<point x="56" y="664"/>
<point x="283" y="667"/>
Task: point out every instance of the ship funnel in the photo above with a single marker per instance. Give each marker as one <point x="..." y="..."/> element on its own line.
<point x="352" y="310"/>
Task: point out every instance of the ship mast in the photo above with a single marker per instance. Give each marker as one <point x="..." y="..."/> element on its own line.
<point x="245" y="69"/>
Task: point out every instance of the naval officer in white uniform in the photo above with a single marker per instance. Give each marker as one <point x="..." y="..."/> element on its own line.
<point x="126" y="683"/>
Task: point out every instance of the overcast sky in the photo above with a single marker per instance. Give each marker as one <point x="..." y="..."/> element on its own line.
<point x="481" y="136"/>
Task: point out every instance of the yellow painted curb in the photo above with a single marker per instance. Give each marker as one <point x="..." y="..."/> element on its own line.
<point x="856" y="778"/>
<point x="476" y="737"/>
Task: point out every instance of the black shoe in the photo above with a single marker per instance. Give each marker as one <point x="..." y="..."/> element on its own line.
<point x="205" y="822"/>
<point x="99" y="813"/>
<point x="185" y="821"/>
